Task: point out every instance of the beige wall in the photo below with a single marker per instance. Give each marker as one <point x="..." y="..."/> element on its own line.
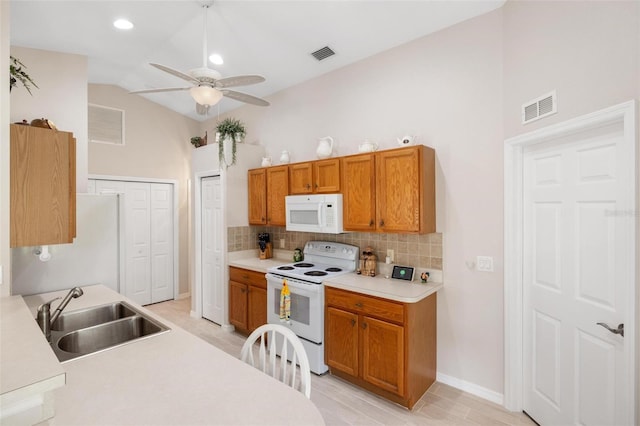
<point x="460" y="91"/>
<point x="5" y="253"/>
<point x="61" y="96"/>
<point x="157" y="145"/>
<point x="447" y="90"/>
<point x="586" y="50"/>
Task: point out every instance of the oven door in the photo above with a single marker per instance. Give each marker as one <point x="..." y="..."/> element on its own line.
<point x="307" y="304"/>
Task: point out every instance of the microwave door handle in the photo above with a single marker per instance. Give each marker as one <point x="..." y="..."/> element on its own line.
<point x="320" y="213"/>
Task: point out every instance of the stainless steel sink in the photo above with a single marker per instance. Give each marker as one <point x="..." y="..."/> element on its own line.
<point x="87" y="331"/>
<point x="89" y="317"/>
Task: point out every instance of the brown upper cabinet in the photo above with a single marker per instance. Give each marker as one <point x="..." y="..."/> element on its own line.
<point x="315" y="177"/>
<point x="267" y="189"/>
<point x="390" y="191"/>
<point x="43" y="186"/>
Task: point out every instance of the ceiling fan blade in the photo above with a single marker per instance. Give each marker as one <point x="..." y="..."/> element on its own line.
<point x="202" y="109"/>
<point x="177" y="73"/>
<point x="243" y="97"/>
<point x="239" y="80"/>
<point x="166" y="89"/>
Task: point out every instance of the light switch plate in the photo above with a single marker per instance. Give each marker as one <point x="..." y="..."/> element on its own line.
<point x="484" y="263"/>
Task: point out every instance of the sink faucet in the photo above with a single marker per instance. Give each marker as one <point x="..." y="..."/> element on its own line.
<point x="46" y="320"/>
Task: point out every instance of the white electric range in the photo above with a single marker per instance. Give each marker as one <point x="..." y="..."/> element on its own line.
<point x="322" y="260"/>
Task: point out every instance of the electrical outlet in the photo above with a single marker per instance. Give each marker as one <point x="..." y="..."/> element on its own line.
<point x="390" y="254"/>
<point x="281" y="243"/>
<point x="484" y="263"/>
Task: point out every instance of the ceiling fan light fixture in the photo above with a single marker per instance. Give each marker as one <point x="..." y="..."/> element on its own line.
<point x="122" y="24"/>
<point x="216" y="59"/>
<point x="205" y="95"/>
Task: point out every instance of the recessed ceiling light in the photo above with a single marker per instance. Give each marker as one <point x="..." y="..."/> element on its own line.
<point x="122" y="24"/>
<point x="216" y="59"/>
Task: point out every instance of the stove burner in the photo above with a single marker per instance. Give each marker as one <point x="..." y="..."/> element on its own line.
<point x="333" y="269"/>
<point x="315" y="273"/>
<point x="303" y="265"/>
<point x="286" y="268"/>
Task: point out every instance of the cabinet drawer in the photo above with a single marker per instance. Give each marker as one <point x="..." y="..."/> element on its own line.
<point x="247" y="277"/>
<point x="367" y="305"/>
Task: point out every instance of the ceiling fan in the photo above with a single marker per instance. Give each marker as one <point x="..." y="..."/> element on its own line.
<point x="207" y="85"/>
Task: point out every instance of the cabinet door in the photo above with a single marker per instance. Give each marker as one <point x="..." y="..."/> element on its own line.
<point x="257" y="197"/>
<point x="277" y="189"/>
<point x="383" y="354"/>
<point x="301" y="178"/>
<point x="358" y="192"/>
<point x="327" y="176"/>
<point x="42" y="186"/>
<point x="341" y="345"/>
<point x="257" y="312"/>
<point x="238" y="305"/>
<point x="398" y="190"/>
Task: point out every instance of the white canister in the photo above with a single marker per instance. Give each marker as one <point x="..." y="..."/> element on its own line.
<point x="266" y="161"/>
<point x="284" y="157"/>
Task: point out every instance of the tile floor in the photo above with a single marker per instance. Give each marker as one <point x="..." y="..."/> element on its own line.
<point x="344" y="404"/>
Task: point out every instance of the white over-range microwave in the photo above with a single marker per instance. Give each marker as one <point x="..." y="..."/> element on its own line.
<point x="314" y="213"/>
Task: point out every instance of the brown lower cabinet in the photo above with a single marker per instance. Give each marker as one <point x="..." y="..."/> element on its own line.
<point x="247" y="299"/>
<point x="384" y="346"/>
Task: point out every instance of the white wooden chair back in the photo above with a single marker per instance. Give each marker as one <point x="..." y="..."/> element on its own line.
<point x="274" y="334"/>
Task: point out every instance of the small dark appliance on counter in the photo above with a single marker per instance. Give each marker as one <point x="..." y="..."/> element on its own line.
<point x="264" y="244"/>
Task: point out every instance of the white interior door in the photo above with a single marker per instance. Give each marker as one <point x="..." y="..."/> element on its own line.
<point x="138" y="242"/>
<point x="161" y="234"/>
<point x="575" y="276"/>
<point x="212" y="250"/>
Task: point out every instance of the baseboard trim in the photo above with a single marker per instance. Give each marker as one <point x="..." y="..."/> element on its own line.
<point x="183" y="295"/>
<point x="471" y="388"/>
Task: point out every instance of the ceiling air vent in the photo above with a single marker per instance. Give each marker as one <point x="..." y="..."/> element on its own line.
<point x="539" y="108"/>
<point x="323" y="53"/>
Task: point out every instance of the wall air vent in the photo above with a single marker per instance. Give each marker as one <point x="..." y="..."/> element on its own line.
<point x="323" y="53"/>
<point x="539" y="107"/>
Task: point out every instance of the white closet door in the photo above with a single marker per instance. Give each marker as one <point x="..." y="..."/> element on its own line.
<point x="212" y="271"/>
<point x="161" y="242"/>
<point x="137" y="245"/>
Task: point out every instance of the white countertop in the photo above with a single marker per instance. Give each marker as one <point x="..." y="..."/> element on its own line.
<point x="173" y="378"/>
<point x="392" y="289"/>
<point x="398" y="290"/>
<point x="29" y="366"/>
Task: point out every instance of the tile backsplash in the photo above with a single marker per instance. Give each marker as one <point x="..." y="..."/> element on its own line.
<point x="422" y="251"/>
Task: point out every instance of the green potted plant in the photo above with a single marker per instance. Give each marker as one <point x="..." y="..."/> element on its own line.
<point x="230" y="131"/>
<point x="17" y="73"/>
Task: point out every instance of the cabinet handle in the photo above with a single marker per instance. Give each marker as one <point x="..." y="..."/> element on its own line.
<point x="242" y="290"/>
<point x="316" y="186"/>
<point x="358" y="305"/>
<point x="353" y="322"/>
<point x="308" y="186"/>
<point x="245" y="276"/>
<point x="382" y="223"/>
<point x="262" y="219"/>
<point x="364" y="325"/>
<point x="371" y="222"/>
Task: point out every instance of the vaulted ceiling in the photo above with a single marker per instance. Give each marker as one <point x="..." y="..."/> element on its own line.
<point x="272" y="38"/>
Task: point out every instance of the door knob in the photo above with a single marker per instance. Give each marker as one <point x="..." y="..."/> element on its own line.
<point x="619" y="330"/>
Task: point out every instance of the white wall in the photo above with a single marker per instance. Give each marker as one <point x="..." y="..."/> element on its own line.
<point x="61" y="96"/>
